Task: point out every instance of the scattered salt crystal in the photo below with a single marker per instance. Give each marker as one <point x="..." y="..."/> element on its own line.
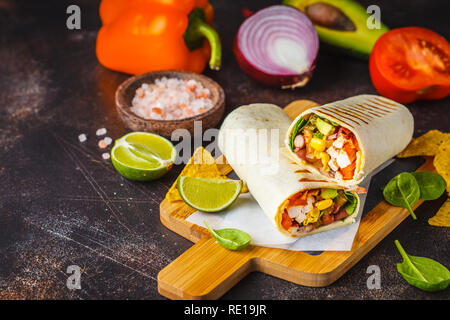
<point x="102" y="144"/>
<point x="108" y="140"/>
<point x="82" y="137"/>
<point x="105" y="156"/>
<point x="100" y="132"/>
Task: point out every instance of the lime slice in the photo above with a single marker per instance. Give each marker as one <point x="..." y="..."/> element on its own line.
<point x="208" y="195"/>
<point x="142" y="156"/>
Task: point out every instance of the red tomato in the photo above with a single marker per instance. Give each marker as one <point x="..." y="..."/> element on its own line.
<point x="286" y="221"/>
<point x="407" y="64"/>
<point x="327" y="219"/>
<point x="350" y="151"/>
<point x="299" y="199"/>
<point x="348" y="171"/>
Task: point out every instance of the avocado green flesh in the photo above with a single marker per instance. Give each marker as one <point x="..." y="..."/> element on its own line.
<point x="329" y="193"/>
<point x="357" y="43"/>
<point x="324" y="127"/>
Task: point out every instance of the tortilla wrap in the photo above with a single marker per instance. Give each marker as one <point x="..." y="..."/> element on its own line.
<point x="271" y="176"/>
<point x="382" y="127"/>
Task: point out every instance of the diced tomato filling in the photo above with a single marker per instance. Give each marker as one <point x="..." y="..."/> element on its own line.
<point x="311" y="209"/>
<point x="341" y="214"/>
<point x="286" y="221"/>
<point x="300" y="201"/>
<point x="334" y="153"/>
<point x="348" y="171"/>
<point x="350" y="150"/>
<point x="327" y="219"/>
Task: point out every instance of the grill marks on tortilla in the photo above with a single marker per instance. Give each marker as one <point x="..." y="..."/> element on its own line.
<point x="307" y="176"/>
<point x="378" y="105"/>
<point x="343" y="114"/>
<point x="354" y="114"/>
<point x="377" y="109"/>
<point x="368" y="111"/>
<point x="310" y="180"/>
<point x="361" y="112"/>
<point x="384" y="105"/>
<point x="385" y="102"/>
<point x="331" y="116"/>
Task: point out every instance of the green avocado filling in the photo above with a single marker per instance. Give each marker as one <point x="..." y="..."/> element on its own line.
<point x="329" y="193"/>
<point x="320" y="128"/>
<point x="324" y="127"/>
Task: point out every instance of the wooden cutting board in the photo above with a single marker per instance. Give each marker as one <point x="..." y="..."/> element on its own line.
<point x="207" y="270"/>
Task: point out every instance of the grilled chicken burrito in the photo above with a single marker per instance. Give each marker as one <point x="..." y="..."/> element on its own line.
<point x="345" y="140"/>
<point x="298" y="202"/>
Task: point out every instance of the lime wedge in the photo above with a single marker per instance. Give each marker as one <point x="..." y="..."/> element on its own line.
<point x="142" y="156"/>
<point x="208" y="195"/>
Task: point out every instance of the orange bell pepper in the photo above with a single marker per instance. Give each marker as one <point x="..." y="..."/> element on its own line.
<point x="139" y="36"/>
<point x="299" y="199"/>
<point x="286" y="221"/>
<point x="348" y="171"/>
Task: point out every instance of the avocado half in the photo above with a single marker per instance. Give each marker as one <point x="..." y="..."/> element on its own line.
<point x="341" y="24"/>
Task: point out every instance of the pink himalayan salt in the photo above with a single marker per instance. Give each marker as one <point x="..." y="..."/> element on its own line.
<point x="102" y="144"/>
<point x="171" y="99"/>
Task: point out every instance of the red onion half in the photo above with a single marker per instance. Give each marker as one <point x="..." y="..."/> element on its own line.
<point x="277" y="46"/>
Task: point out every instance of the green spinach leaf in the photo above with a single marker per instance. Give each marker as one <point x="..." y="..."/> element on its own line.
<point x="351" y="203"/>
<point x="301" y="123"/>
<point x="431" y="185"/>
<point x="423" y="273"/>
<point x="233" y="239"/>
<point x="335" y="124"/>
<point x="402" y="191"/>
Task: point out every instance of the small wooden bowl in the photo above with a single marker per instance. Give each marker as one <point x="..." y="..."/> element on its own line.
<point x="127" y="90"/>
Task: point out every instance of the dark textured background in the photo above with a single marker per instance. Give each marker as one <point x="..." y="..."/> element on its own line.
<point x="61" y="204"/>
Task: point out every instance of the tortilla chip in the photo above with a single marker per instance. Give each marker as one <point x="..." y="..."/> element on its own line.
<point x="425" y="145"/>
<point x="442" y="163"/>
<point x="442" y="217"/>
<point x="202" y="156"/>
<point x="201" y="165"/>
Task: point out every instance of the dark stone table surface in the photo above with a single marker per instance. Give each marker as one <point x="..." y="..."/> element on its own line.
<point x="62" y="205"/>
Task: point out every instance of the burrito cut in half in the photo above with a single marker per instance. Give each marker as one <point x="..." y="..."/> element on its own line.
<point x="345" y="140"/>
<point x="299" y="203"/>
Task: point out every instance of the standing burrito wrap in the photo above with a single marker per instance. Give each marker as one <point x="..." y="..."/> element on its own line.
<point x="298" y="202"/>
<point x="345" y="140"/>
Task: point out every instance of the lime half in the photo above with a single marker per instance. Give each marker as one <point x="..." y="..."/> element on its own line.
<point x="142" y="156"/>
<point x="208" y="195"/>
